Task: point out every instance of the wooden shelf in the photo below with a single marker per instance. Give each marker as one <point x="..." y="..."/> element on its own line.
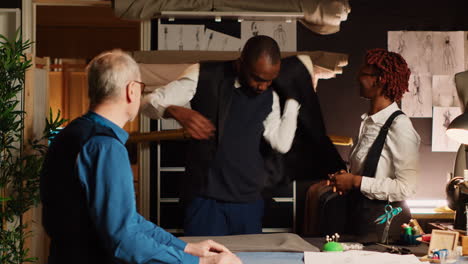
<point x="72" y="3"/>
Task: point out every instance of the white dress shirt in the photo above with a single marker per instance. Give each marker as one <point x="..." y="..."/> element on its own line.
<point x="398" y="168"/>
<point x="279" y="130"/>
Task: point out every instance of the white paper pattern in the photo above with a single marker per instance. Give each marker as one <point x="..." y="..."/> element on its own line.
<point x="358" y="257"/>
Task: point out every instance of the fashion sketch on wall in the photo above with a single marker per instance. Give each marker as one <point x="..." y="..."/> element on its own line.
<point x="279" y="34"/>
<point x="180" y="37"/>
<point x="444" y="91"/>
<point x="214" y="40"/>
<point x="417" y="102"/>
<point x="429" y="53"/>
<point x="441" y="119"/>
<point x="435" y="53"/>
<point x="254" y="28"/>
<point x="284" y="33"/>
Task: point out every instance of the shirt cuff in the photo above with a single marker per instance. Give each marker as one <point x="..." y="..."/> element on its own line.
<point x="190" y="259"/>
<point x="366" y="184"/>
<point x="149" y="109"/>
<point x="177" y="243"/>
<point x="291" y="107"/>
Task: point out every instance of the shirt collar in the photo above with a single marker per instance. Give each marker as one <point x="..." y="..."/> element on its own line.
<point x="382" y="116"/>
<point x="121" y="134"/>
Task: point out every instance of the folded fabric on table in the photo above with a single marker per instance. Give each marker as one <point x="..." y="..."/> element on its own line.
<point x="278" y="242"/>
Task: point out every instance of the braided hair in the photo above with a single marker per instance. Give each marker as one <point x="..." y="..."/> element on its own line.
<point x="394" y="72"/>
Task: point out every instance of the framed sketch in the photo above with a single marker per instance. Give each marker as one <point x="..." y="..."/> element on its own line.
<point x="442" y="117"/>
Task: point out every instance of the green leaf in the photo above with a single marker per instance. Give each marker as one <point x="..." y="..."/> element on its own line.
<point x="4" y="199"/>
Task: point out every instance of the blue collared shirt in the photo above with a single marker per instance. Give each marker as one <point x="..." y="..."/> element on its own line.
<point x="104" y="170"/>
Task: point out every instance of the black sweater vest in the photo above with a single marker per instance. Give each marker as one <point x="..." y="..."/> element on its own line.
<point x="228" y="167"/>
<point x="65" y="216"/>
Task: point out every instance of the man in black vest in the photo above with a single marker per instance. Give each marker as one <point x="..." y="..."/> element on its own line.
<point x="87" y="187"/>
<point x="234" y="110"/>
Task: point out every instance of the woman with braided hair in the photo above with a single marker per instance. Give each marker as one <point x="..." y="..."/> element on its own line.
<point x="384" y="162"/>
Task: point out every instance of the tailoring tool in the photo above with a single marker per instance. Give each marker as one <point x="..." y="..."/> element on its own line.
<point x="332" y="244"/>
<point x="387" y="218"/>
<point x="395" y="249"/>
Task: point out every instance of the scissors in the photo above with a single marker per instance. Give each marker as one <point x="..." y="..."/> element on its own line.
<point x="386" y="218"/>
<point x="395" y="250"/>
<point x="390" y="212"/>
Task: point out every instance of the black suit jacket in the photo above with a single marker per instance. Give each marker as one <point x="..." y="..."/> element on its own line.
<point x="312" y="155"/>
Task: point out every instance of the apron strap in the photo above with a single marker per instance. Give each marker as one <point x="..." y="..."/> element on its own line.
<point x="373" y="156"/>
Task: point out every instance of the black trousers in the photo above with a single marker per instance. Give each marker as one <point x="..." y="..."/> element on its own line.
<point x="361" y="215"/>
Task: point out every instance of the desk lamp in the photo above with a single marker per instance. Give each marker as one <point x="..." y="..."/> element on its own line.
<point x="457" y="187"/>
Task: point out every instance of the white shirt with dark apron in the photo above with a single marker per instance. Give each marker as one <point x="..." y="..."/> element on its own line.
<point x="389" y="179"/>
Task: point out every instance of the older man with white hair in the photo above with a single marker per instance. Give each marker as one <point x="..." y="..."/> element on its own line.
<point x="87" y="184"/>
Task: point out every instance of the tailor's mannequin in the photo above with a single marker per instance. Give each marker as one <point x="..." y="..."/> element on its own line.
<point x="461" y="82"/>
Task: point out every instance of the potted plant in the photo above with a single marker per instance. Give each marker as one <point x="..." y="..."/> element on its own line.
<point x="20" y="159"/>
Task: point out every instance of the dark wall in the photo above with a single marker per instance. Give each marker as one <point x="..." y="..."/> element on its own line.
<point x="367" y="28"/>
<point x="10" y="4"/>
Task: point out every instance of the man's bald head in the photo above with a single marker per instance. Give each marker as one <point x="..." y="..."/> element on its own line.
<point x="259" y="63"/>
<point x="260" y="46"/>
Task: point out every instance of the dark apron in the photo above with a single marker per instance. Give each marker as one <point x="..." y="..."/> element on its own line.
<point x="363" y="211"/>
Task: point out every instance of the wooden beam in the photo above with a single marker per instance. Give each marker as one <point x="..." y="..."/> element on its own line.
<point x="182" y="134"/>
<point x="178" y="134"/>
<point x="72" y="3"/>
